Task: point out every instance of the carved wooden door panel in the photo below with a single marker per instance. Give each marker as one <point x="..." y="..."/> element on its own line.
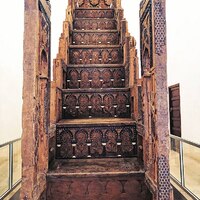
<point x="174" y="110"/>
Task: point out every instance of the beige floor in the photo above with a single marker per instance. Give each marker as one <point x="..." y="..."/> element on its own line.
<point x="191" y="167"/>
<point x="4" y="166"/>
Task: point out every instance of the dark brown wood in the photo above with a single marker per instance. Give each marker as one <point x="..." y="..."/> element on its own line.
<point x="94" y="13"/>
<point x="96" y="134"/>
<point x="67" y="180"/>
<point x="114" y="140"/>
<point x="94" y="24"/>
<point x="105" y="77"/>
<point x="96" y="103"/>
<point x="93" y="3"/>
<point x="95" y="55"/>
<point x="174" y="110"/>
<point x="95" y="38"/>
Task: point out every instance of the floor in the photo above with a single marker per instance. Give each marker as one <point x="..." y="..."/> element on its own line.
<point x="191" y="167"/>
<point x="4" y="166"/>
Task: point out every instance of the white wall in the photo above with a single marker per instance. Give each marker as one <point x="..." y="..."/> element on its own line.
<point x="11" y="54"/>
<point x="183" y="31"/>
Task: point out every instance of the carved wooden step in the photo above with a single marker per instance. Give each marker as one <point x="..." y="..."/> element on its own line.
<point x="95" y="37"/>
<point x="96" y="139"/>
<point x="93" y="77"/>
<point x="94" y="24"/>
<point x="96" y="103"/>
<point x="92" y="54"/>
<point x="102" y="179"/>
<point x="94" y="13"/>
<point x="95" y="4"/>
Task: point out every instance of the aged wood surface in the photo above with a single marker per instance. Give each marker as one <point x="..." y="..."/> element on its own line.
<point x="97" y="150"/>
<point x="106" y="179"/>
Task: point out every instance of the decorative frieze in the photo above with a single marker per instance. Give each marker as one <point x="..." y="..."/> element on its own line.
<point x="96" y="103"/>
<point x="110" y="77"/>
<point x="94" y="24"/>
<point x="104" y="141"/>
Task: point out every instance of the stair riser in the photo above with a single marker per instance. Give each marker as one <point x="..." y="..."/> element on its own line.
<point x="96" y="56"/>
<point x="122" y="187"/>
<point x="94" y="24"/>
<point x="95" y="78"/>
<point x="95" y="38"/>
<point x="95" y="142"/>
<point x="97" y="4"/>
<point x="91" y="105"/>
<point x="94" y="13"/>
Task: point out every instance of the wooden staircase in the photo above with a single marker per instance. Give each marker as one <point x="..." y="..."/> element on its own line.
<point x="96" y="139"/>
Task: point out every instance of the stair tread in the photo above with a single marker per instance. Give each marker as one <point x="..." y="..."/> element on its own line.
<point x="95" y="31"/>
<point x="92" y="18"/>
<point x="94" y="9"/>
<point x="97" y="121"/>
<point x="93" y="46"/>
<point x="95" y="167"/>
<point x="95" y="65"/>
<point x="96" y="90"/>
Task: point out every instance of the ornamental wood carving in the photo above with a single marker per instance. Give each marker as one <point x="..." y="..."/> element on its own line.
<point x="96" y="56"/>
<point x="146" y="38"/>
<point x="93" y="3"/>
<point x="111" y="145"/>
<point x="77" y="105"/>
<point x="153" y="51"/>
<point x="104" y="188"/>
<point x="95" y="38"/>
<point x="96" y="103"/>
<point x="96" y="143"/>
<point x="108" y="2"/>
<point x="108" y="102"/>
<point x="85" y="78"/>
<point x="94" y="13"/>
<point x="111" y="141"/>
<point x="66" y="142"/>
<point x="94" y="24"/>
<point x="81" y="149"/>
<point x="96" y="82"/>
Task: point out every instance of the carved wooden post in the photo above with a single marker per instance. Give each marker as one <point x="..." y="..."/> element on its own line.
<point x="155" y="106"/>
<point x="36" y="95"/>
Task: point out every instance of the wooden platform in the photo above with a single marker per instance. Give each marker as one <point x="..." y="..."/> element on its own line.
<point x="94" y="179"/>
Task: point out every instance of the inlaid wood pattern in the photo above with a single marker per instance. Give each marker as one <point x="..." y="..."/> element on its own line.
<point x="94" y="24"/>
<point x="93" y="13"/>
<point x="104" y="141"/>
<point x="109" y="55"/>
<point x="95" y="38"/>
<point x="96" y="103"/>
<point x="117" y="187"/>
<point x="93" y="3"/>
<point x="84" y="77"/>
